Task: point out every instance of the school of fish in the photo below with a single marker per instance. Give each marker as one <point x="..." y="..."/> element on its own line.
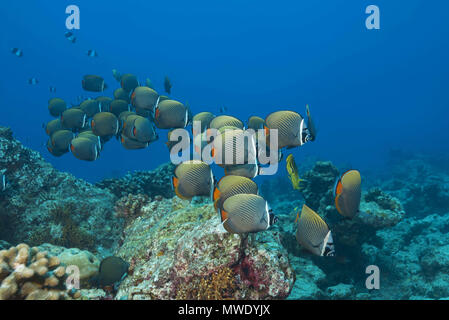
<point x="135" y="113"/>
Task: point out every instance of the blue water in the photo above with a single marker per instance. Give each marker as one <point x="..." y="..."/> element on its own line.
<point x="369" y="90"/>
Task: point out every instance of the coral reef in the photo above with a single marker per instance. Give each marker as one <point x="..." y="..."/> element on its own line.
<point x="150" y="183"/>
<point x="341" y="277"/>
<point x="380" y="210"/>
<point x="30" y="274"/>
<point x="177" y="249"/>
<point x="87" y="263"/>
<point x="4" y="245"/>
<point x="36" y="192"/>
<point x="340" y="291"/>
<point x="129" y="207"/>
<point x="309" y="279"/>
<point x="95" y="294"/>
<point x="413" y="258"/>
<point x="64" y="231"/>
<point x="421" y="183"/>
<point x="219" y="285"/>
<point x="318" y="189"/>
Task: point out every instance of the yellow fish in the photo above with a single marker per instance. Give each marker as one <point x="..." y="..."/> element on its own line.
<point x="293" y="175"/>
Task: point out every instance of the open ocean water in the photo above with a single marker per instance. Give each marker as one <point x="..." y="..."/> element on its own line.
<point x="379" y="98"/>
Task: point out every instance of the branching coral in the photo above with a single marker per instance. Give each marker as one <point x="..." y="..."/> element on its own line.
<point x="30" y="274"/>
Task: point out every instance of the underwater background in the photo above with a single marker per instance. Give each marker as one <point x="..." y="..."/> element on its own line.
<point x="379" y="99"/>
<point x="371" y="90"/>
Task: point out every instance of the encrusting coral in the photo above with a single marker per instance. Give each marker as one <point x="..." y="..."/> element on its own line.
<point x="129" y="207"/>
<point x="220" y="285"/>
<point x="30" y="274"/>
